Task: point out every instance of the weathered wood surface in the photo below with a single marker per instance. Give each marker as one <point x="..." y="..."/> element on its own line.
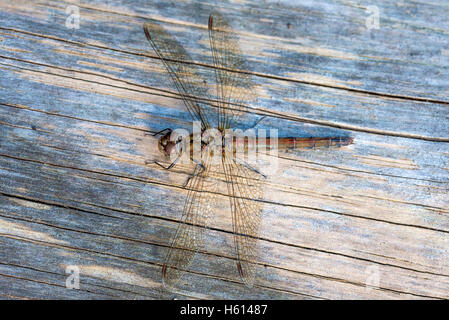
<point x="74" y="189"/>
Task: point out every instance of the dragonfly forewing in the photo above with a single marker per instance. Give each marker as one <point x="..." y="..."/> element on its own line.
<point x="189" y="235"/>
<point x="184" y="74"/>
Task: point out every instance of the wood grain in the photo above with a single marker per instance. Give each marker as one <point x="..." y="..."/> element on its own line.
<point x="75" y="190"/>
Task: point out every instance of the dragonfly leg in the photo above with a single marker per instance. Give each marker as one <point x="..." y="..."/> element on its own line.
<point x="161" y="165"/>
<point x="195" y="173"/>
<point x="157" y="133"/>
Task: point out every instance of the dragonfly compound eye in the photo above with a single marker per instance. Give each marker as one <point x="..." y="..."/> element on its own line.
<point x="171" y="149"/>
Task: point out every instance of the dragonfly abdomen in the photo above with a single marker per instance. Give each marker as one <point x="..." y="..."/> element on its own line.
<point x="247" y="145"/>
<point x="284" y="144"/>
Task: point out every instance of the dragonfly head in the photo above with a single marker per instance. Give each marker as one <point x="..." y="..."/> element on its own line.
<point x="170" y="144"/>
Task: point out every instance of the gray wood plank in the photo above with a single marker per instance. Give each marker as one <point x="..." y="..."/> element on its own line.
<point x="75" y="189"/>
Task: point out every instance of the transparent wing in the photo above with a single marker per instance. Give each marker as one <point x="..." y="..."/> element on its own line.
<point x="184" y="74"/>
<point x="234" y="88"/>
<point x="189" y="235"/>
<point x="244" y="184"/>
<point x="245" y="188"/>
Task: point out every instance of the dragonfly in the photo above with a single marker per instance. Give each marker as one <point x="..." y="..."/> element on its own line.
<point x="222" y="110"/>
